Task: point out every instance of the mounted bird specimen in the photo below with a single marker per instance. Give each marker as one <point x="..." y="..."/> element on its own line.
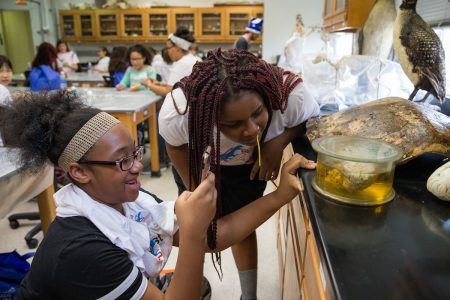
<point x="375" y="39"/>
<point x="419" y="51"/>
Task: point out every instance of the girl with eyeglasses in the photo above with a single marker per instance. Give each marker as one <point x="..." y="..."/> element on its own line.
<point x="110" y="239"/>
<point x="139" y="59"/>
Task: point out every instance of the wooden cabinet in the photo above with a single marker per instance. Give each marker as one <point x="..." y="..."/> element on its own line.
<point x="77" y="26"/>
<point x="133" y="24"/>
<point x="345" y="15"/>
<point x="211" y="24"/>
<point x="108" y="24"/>
<point x="158" y="24"/>
<point x="301" y="271"/>
<point x="186" y="17"/>
<point x="221" y="24"/>
<point x="238" y="18"/>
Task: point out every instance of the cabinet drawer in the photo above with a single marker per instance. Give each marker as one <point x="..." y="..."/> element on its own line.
<point x="300" y="226"/>
<point x="292" y="273"/>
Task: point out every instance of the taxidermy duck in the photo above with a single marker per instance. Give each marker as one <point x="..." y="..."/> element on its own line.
<point x="375" y="39"/>
<point x="419" y="51"/>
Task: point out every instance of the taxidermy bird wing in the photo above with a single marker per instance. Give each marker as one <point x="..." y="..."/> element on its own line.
<point x="425" y="52"/>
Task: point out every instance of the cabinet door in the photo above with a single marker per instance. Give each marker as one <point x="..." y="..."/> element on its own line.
<point x="158" y="24"/>
<point x="108" y="24"/>
<point x="211" y="24"/>
<point x="340" y="5"/>
<point x="292" y="276"/>
<point x="185" y="17"/>
<point x="237" y="20"/>
<point x="68" y="26"/>
<point x="328" y="8"/>
<point x="86" y="21"/>
<point x="132" y="24"/>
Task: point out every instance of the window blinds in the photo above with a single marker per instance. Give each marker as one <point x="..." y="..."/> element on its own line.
<point x="434" y="12"/>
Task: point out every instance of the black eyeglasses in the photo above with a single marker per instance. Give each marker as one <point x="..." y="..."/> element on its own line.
<point x="125" y="163"/>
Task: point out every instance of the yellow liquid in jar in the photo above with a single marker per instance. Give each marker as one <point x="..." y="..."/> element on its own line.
<point x="371" y="188"/>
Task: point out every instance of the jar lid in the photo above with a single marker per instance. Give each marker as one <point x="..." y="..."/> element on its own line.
<point x="354" y="148"/>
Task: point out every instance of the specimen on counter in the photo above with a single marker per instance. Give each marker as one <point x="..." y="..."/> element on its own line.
<point x="414" y="128"/>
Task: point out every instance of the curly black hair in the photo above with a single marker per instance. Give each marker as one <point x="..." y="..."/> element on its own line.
<point x="41" y="125"/>
<point x="185" y="34"/>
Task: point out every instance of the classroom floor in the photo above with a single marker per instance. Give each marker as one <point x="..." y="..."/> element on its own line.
<point x="165" y="188"/>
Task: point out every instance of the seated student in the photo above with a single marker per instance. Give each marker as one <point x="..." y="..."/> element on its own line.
<point x="6" y="71"/>
<point x="118" y="64"/>
<point x="67" y="59"/>
<point x="103" y="62"/>
<point x="44" y="75"/>
<point x="162" y="65"/>
<point x="108" y="237"/>
<point x="140" y="70"/>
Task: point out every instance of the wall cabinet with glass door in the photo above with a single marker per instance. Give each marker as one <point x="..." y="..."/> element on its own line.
<point x="211" y="24"/>
<point x="108" y="24"/>
<point x="158" y="24"/>
<point x="133" y="24"/>
<point x="77" y="26"/>
<point x="340" y="15"/>
<point x="186" y="17"/>
<point x="216" y="24"/>
<point x="237" y="20"/>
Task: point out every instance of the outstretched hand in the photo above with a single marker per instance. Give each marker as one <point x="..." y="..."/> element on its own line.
<point x="290" y="185"/>
<point x="195" y="210"/>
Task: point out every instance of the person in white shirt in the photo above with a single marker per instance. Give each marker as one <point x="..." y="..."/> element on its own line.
<point x="67" y="59"/>
<point x="247" y="111"/>
<point x="177" y="46"/>
<point x="103" y="62"/>
<point x="162" y="65"/>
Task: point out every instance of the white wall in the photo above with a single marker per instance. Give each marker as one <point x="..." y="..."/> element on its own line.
<point x="279" y="23"/>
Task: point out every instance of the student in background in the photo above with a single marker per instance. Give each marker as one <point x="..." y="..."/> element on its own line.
<point x="118" y="64"/>
<point x="44" y="74"/>
<point x="6" y="71"/>
<point x="67" y="59"/>
<point x="103" y="62"/>
<point x="162" y="64"/>
<point x="139" y="71"/>
<point x="251" y="33"/>
<point x="177" y="47"/>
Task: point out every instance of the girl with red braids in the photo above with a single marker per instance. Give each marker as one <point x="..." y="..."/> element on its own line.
<point x="234" y="101"/>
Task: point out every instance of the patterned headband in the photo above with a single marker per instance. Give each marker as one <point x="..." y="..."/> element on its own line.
<point x="85" y="138"/>
<point x="182" y="43"/>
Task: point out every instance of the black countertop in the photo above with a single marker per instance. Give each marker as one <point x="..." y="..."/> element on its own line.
<point x="399" y="250"/>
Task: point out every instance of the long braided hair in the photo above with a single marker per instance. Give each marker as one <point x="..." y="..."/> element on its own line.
<point x="221" y="76"/>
